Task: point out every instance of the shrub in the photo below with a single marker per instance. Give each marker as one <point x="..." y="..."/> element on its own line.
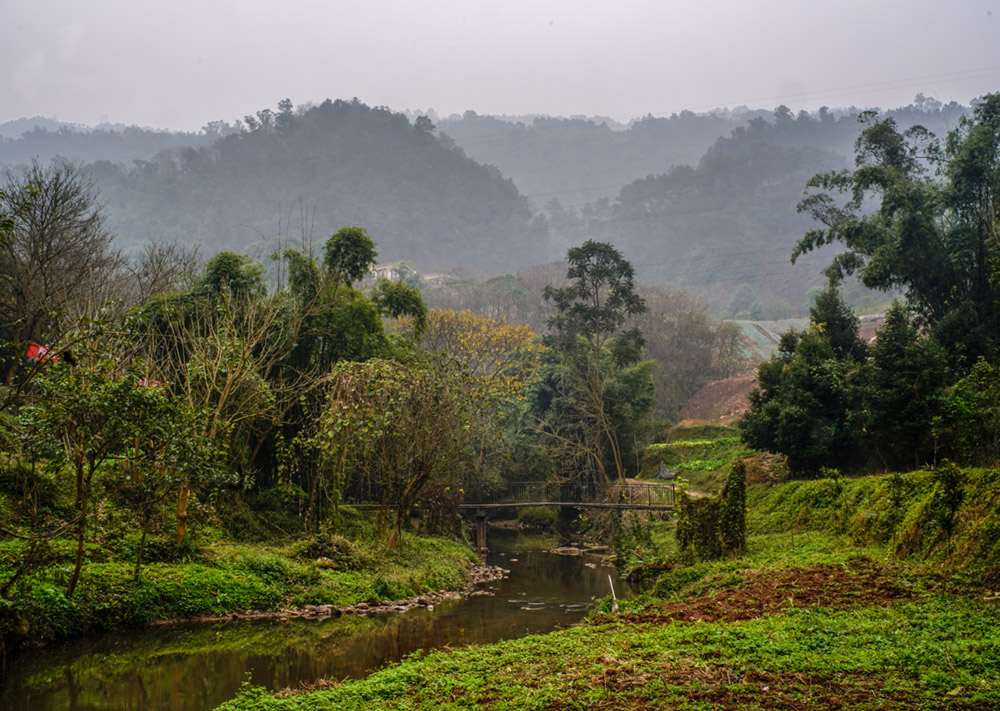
<point x="344" y="554"/>
<point x="714" y="527"/>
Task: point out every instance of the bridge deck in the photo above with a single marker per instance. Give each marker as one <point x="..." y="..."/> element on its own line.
<point x="627" y="495"/>
<point x="536" y="504"/>
<point x="577" y="504"/>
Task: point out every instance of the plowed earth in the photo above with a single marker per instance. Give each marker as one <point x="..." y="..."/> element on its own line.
<point x="767" y="592"/>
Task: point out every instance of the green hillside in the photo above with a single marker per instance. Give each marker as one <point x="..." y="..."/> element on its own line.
<point x="306" y="175"/>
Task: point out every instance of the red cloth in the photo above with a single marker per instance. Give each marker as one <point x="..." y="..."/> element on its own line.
<point x="41" y="353"/>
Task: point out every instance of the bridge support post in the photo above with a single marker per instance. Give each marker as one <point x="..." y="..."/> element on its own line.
<point x="481" y="529"/>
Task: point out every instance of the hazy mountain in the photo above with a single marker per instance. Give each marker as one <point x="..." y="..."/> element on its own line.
<point x="118" y="144"/>
<point x="14" y="129"/>
<point x="700" y="201"/>
<point x="731" y="219"/>
<point x="581" y="160"/>
<point x="308" y="174"/>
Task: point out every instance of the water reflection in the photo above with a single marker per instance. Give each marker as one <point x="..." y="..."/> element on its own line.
<point x="192" y="668"/>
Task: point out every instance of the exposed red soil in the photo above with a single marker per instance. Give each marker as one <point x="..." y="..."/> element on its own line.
<point x="725" y="401"/>
<point x="768" y="592"/>
<point x="721" y="400"/>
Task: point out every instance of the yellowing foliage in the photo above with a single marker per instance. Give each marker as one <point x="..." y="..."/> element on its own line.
<point x="503" y="358"/>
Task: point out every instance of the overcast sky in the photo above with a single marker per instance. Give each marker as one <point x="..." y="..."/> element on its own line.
<point x="182" y="63"/>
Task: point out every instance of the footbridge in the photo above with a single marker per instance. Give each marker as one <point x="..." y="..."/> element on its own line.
<point x="620" y="495"/>
<point x="628" y="494"/>
<point x="482" y="497"/>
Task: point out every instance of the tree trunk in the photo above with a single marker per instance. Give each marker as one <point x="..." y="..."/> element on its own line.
<point x="82" y="498"/>
<point x="182" y="515"/>
<point x="142" y="546"/>
<point x="406" y="500"/>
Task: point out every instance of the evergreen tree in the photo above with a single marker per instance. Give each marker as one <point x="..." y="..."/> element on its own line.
<point x="839" y="325"/>
<point x="805" y="405"/>
<point x="902" y="388"/>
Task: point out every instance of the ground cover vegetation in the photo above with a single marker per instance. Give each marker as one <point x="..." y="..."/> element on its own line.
<point x="875" y="592"/>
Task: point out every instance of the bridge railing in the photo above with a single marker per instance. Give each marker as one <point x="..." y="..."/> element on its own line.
<point x="537" y="492"/>
<point x="632" y="493"/>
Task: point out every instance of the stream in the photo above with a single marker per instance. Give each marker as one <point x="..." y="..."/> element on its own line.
<point x="194" y="667"/>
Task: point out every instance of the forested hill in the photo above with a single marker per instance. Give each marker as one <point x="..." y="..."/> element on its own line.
<point x="44" y="139"/>
<point x="729" y="223"/>
<point x="581" y="160"/>
<point x="700" y="201"/>
<point x="576" y="160"/>
<point x="339" y="163"/>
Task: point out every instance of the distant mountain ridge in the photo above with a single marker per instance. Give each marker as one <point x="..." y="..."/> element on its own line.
<point x="704" y="202"/>
<point x="303" y="176"/>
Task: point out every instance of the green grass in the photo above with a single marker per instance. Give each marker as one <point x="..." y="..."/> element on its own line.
<point x="911" y="655"/>
<point x="935" y="646"/>
<point x="701" y="453"/>
<point x="226" y="578"/>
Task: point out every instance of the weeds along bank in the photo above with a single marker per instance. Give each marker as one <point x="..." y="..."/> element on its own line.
<point x="876" y="592"/>
<point x="211" y="574"/>
<point x="945" y="518"/>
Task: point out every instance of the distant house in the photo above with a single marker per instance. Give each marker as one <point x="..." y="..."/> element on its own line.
<point x="385" y="271"/>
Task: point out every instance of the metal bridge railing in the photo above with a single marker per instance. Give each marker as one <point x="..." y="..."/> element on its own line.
<point x="537" y="492"/>
<point x="633" y="493"/>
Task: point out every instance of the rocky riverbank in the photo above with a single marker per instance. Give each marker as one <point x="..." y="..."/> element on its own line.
<point x="479" y="576"/>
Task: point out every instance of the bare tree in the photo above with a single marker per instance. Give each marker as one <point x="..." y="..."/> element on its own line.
<point x="162" y="267"/>
<point x="57" y="262"/>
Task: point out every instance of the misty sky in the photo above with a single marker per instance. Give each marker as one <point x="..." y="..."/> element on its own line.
<point x="180" y="64"/>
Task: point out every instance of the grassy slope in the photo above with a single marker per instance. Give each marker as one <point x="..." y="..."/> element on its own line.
<point x="701" y="454"/>
<point x="930" y="650"/>
<point x="850" y="596"/>
<point x="214" y="576"/>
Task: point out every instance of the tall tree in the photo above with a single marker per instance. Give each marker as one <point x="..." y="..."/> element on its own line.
<point x="390" y="428"/>
<point x="933" y="237"/>
<point x="902" y="391"/>
<point x="839" y="325"/>
<point x="589" y="331"/>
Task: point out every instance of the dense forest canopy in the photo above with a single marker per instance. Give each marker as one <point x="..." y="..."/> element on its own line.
<point x="923" y="389"/>
<point x="310" y="173"/>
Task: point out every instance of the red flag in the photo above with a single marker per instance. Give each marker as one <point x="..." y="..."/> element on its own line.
<point x="41" y="353"/>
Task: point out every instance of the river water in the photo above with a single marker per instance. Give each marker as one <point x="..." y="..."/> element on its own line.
<point x="196" y="667"/>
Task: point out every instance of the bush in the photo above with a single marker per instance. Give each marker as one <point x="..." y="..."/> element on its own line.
<point x="276" y="569"/>
<point x="711" y="528"/>
<point x="344" y="554"/>
<point x="158" y="549"/>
